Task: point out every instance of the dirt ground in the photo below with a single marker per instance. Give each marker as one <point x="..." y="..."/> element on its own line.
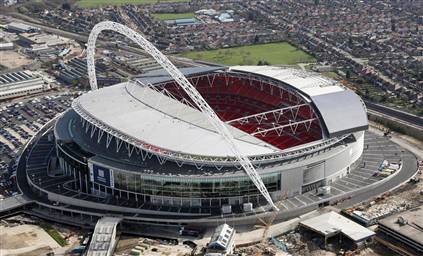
<point x="376" y="250"/>
<point x="12" y="59"/>
<point x="155" y="247"/>
<point x="25" y="240"/>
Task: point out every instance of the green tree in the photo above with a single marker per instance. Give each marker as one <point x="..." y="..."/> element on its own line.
<point x="348" y="74"/>
<point x="66" y="6"/>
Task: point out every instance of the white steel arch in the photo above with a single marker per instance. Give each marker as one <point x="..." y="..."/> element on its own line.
<point x="185" y="85"/>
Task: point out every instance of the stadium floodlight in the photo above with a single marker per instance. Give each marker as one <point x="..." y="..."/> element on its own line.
<point x="185" y="85"/>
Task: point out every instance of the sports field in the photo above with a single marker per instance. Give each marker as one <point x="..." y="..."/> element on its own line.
<point x="98" y="3"/>
<point x="173" y="16"/>
<point x="274" y="54"/>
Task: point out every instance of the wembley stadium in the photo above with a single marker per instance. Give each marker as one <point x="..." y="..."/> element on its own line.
<point x="203" y="145"/>
<point x="144" y="140"/>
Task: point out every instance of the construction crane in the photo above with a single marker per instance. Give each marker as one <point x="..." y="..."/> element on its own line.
<point x="268" y="222"/>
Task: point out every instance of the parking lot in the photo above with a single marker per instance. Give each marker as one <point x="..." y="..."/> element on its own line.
<point x="18" y="122"/>
<point x="377" y="149"/>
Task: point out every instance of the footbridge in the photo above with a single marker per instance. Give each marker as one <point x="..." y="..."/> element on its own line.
<point x="104" y="239"/>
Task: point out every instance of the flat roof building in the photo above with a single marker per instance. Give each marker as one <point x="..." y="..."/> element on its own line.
<point x="188" y="21"/>
<point x="49" y="40"/>
<point x="20" y="27"/>
<point x="405" y="229"/>
<point x="332" y="224"/>
<point x="21" y="83"/>
<point x="6" y="46"/>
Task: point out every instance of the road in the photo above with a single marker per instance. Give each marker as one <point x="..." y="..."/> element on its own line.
<point x="414" y="120"/>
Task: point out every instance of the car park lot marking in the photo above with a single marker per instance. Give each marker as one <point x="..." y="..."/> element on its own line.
<point x="289" y="204"/>
<point x="355" y="181"/>
<point x="295" y="202"/>
<point x="26" y="128"/>
<point x="364" y="178"/>
<point x="304" y="199"/>
<point x="369" y="172"/>
<point x="338" y="191"/>
<point x="368" y="168"/>
<point x="283" y="203"/>
<point x="16" y="135"/>
<point x="369" y="162"/>
<point x="346" y="185"/>
<point x="340" y="187"/>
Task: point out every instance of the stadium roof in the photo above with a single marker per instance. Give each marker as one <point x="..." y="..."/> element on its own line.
<point x="161" y="76"/>
<point x="136" y="110"/>
<point x="341" y="110"/>
<point x="151" y="117"/>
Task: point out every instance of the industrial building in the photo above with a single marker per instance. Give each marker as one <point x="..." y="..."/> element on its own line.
<point x="21" y="83"/>
<point x="18" y="27"/>
<point x="6" y="46"/>
<point x="334" y="226"/>
<point x="182" y="22"/>
<point x="38" y="39"/>
<point x="403" y="231"/>
<point x="75" y="72"/>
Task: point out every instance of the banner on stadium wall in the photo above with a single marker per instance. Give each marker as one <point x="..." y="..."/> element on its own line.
<point x="102" y="175"/>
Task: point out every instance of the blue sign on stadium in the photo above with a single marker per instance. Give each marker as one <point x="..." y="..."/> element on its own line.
<point x="103" y="176"/>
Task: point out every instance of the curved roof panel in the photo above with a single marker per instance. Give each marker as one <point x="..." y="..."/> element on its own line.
<point x="151" y="117"/>
<point x="341" y="110"/>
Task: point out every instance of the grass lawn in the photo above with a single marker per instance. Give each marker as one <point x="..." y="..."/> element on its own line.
<point x="54" y="234"/>
<point x="98" y="3"/>
<point x="330" y="74"/>
<point x="274" y="53"/>
<point x="173" y="16"/>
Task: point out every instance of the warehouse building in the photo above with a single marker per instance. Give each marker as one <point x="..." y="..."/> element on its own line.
<point x="335" y="228"/>
<point x="6" y="46"/>
<point x="20" y="28"/>
<point x="404" y="231"/>
<point x="21" y="83"/>
<point x="49" y="40"/>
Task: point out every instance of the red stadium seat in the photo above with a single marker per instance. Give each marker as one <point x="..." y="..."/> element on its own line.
<point x="235" y="98"/>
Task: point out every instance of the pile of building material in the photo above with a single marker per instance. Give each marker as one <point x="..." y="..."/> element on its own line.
<point x="261" y="249"/>
<point x="403" y="198"/>
<point x="381" y="210"/>
<point x="293" y="242"/>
